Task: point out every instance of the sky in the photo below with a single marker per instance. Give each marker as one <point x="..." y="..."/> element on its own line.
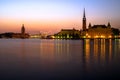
<point x="50" y="16"/>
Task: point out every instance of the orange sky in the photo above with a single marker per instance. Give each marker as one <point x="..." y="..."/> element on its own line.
<point x="35" y="26"/>
<point x="50" y="16"/>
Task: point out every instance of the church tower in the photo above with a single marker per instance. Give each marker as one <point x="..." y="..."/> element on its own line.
<point x="23" y="29"/>
<point x="84" y="21"/>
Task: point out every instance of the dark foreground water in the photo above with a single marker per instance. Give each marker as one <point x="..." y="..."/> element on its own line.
<point x="29" y="59"/>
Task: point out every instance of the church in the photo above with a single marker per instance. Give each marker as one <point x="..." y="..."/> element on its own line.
<point x="22" y="35"/>
<point x="90" y="32"/>
<point x="98" y="31"/>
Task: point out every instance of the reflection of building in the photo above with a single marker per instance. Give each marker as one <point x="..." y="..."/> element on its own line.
<point x="68" y="34"/>
<point x="98" y="31"/>
<point x="15" y="35"/>
<point x="98" y="50"/>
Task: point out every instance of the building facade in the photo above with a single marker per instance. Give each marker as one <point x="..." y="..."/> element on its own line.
<point x="98" y="31"/>
<point x="68" y="34"/>
<point x="95" y="31"/>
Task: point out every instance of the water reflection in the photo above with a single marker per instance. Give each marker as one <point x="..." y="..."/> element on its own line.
<point x="97" y="48"/>
<point x="23" y="53"/>
<point x="62" y="49"/>
<point x="101" y="57"/>
<point x="54" y="50"/>
<point x="59" y="59"/>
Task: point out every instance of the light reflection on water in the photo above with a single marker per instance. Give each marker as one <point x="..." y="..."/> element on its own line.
<point x="59" y="59"/>
<point x="98" y="49"/>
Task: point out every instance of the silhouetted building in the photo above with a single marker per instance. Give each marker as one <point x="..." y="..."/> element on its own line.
<point x="98" y="31"/>
<point x="23" y="34"/>
<point x="95" y="31"/>
<point x="7" y="35"/>
<point x="68" y="34"/>
<point x="84" y="21"/>
<point x="15" y="35"/>
<point x="23" y="29"/>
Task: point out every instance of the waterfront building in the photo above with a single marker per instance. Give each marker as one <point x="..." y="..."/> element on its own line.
<point x="23" y="34"/>
<point x="23" y="29"/>
<point x="98" y="31"/>
<point x="68" y="34"/>
<point x="90" y="31"/>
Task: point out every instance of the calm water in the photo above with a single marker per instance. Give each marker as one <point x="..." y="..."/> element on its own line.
<point x="29" y="59"/>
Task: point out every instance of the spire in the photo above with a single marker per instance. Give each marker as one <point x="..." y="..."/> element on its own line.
<point x="22" y="25"/>
<point x="84" y="20"/>
<point x="84" y="13"/>
<point x="23" y="29"/>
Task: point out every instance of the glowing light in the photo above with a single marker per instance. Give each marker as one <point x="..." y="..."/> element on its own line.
<point x="102" y="36"/>
<point x="96" y="36"/>
<point x="58" y="37"/>
<point x="35" y="36"/>
<point x="86" y="34"/>
<point x="53" y="37"/>
<point x="89" y="36"/>
<point x="68" y="36"/>
<point x="110" y="36"/>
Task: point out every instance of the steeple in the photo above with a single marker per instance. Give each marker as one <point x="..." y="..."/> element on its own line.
<point x="84" y="14"/>
<point x="23" y="29"/>
<point x="84" y="20"/>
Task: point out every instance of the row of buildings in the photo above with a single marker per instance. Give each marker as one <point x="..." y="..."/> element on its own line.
<point x="95" y="31"/>
<point x="22" y="35"/>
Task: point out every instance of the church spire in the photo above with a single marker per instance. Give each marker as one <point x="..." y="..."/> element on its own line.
<point x="23" y="29"/>
<point x="84" y="14"/>
<point x="84" y="20"/>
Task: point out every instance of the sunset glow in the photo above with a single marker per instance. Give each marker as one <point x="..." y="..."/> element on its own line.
<point x="49" y="16"/>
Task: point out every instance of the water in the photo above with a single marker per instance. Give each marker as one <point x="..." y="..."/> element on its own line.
<point x="35" y="59"/>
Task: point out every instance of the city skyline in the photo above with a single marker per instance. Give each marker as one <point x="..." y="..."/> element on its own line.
<point x="52" y="15"/>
